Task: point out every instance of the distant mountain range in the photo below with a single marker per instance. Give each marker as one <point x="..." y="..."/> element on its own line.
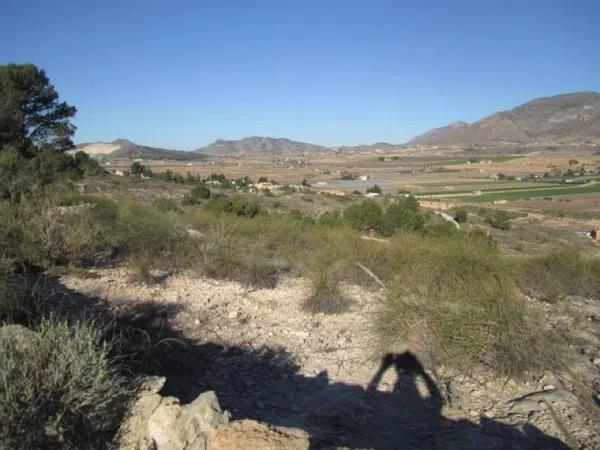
<point x="568" y="118"/>
<point x="257" y="144"/>
<point x="124" y="149"/>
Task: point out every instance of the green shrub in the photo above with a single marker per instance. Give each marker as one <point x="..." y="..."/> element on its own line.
<point x="165" y="204"/>
<point x="364" y="216"/>
<point x="439" y="228"/>
<point x="498" y="218"/>
<point x="25" y="173"/>
<point x="137" y="169"/>
<point x="461" y="215"/>
<point x="402" y="214"/>
<point x="61" y="389"/>
<point x="236" y="205"/>
<point x="196" y="195"/>
<point x="375" y="189"/>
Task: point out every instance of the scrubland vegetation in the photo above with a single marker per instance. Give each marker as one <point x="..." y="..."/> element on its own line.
<point x="451" y="294"/>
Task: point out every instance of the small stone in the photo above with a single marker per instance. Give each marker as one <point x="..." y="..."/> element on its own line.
<point x="232" y="314"/>
<point x="196" y="322"/>
<point x="549" y="387"/>
<point x="159" y="274"/>
<point x="474" y="413"/>
<point x="596" y="361"/>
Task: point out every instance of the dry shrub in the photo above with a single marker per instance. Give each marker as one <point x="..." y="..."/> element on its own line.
<point x="562" y="271"/>
<point x="62" y="389"/>
<point x="326" y="296"/>
<point x="455" y="299"/>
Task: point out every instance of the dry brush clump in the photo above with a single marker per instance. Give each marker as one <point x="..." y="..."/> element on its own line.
<point x="560" y="272"/>
<point x="60" y="387"/>
<point x="456" y="299"/>
<point x="326" y="296"/>
<point x="52" y="230"/>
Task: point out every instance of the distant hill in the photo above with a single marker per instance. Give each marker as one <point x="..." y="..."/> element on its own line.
<point x="124" y="149"/>
<point x="568" y="118"/>
<point x="257" y="144"/>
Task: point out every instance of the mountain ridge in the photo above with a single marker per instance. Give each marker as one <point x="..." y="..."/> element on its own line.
<point x="258" y="145"/>
<point x="570" y="118"/>
<point x="125" y="149"/>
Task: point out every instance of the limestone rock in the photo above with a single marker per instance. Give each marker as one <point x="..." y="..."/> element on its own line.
<point x="162" y="423"/>
<point x="250" y="434"/>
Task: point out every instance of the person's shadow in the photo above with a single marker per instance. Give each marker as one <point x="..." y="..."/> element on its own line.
<point x="410" y="416"/>
<point x="407" y="415"/>
<point x="408" y="371"/>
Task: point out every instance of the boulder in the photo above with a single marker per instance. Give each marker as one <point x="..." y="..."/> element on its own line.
<point x="250" y="434"/>
<point x="162" y="423"/>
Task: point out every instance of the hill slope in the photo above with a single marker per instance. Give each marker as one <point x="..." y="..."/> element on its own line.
<point x="124" y="149"/>
<point x="257" y="144"/>
<point x="569" y="118"/>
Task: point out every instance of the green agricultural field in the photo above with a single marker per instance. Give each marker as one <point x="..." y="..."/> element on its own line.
<point x="495" y="189"/>
<point x="534" y="192"/>
<point x="496" y="159"/>
<point x="473" y="182"/>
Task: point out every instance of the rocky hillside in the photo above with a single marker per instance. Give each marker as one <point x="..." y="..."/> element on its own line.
<point x="257" y="144"/>
<point x="568" y="118"/>
<point x="124" y="149"/>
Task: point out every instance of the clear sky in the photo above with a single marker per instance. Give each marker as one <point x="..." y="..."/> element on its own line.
<point x="180" y="74"/>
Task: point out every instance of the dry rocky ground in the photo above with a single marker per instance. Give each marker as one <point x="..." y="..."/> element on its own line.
<point x="295" y="380"/>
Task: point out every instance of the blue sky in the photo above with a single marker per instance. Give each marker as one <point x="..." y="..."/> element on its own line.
<point x="180" y="74"/>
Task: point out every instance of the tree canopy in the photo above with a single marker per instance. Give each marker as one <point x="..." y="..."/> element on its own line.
<point x="31" y="113"/>
<point x="35" y="131"/>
